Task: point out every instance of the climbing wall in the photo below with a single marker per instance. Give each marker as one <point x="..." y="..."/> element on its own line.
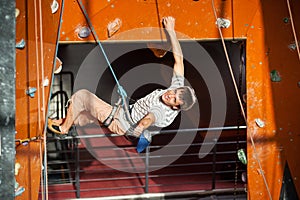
<point x="272" y="66"/>
<point x="36" y="35"/>
<point x="272" y="73"/>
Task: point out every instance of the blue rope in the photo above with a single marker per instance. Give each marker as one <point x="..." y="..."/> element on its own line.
<point x="121" y="91"/>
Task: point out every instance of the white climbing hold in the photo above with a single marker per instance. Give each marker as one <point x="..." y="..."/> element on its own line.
<point x="17" y="167"/>
<point x="46" y="82"/>
<point x="58" y="66"/>
<point x="223" y="23"/>
<point x="113" y="27"/>
<point x="244" y="177"/>
<point x="17" y="12"/>
<point x="54" y="6"/>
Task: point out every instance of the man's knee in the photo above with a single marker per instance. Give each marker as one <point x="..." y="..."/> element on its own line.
<point x="82" y="92"/>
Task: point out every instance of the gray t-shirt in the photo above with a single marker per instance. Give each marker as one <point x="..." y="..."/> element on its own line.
<point x="164" y="115"/>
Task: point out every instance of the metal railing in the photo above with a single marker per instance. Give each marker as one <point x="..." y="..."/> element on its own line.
<point x="217" y="168"/>
<point x="74" y="172"/>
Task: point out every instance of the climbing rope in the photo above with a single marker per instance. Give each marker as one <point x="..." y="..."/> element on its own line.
<point x="38" y="45"/>
<point x="293" y="28"/>
<point x="44" y="176"/>
<point x="121" y="91"/>
<point x="240" y="102"/>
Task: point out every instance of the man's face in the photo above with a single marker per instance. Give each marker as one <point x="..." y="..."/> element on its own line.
<point x="171" y="98"/>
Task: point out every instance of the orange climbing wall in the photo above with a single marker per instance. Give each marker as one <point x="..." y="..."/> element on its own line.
<point x="267" y="36"/>
<point x="37" y="26"/>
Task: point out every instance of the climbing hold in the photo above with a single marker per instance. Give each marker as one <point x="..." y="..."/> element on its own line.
<point x="286" y="20"/>
<point x="25" y="142"/>
<point x="244" y="98"/>
<point x="17" y="167"/>
<point x="54" y="6"/>
<point x="16" y="184"/>
<point x="58" y="66"/>
<point x="275" y="76"/>
<point x="293" y="46"/>
<point x="244" y="177"/>
<point x="31" y="91"/>
<point x="19" y="191"/>
<point x="84" y="32"/>
<point x="159" y="50"/>
<point x="223" y="23"/>
<point x="46" y="82"/>
<point x="21" y="44"/>
<point x="113" y="27"/>
<point x="17" y="12"/>
<point x="259" y="122"/>
<point x="242" y="156"/>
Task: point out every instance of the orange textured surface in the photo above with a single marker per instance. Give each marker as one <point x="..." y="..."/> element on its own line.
<point x="267" y="36"/>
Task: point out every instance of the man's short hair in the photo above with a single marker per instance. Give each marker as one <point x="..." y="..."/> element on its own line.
<point x="188" y="96"/>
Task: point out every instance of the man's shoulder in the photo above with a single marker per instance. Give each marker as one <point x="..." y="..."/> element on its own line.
<point x="155" y="92"/>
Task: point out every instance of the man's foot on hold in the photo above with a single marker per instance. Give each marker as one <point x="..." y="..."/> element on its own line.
<point x="55" y="127"/>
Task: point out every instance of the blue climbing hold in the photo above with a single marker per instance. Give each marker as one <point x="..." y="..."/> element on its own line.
<point x="21" y="44"/>
<point x="30" y="91"/>
<point x="19" y="191"/>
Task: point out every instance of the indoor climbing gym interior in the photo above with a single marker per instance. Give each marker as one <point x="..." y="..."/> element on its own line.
<point x="238" y="141"/>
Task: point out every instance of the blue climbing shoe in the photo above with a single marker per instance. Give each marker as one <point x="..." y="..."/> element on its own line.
<point x="144" y="141"/>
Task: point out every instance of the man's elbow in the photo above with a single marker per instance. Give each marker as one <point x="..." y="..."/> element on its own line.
<point x="148" y="120"/>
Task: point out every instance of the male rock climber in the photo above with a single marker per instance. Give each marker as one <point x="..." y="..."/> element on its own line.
<point x="159" y="108"/>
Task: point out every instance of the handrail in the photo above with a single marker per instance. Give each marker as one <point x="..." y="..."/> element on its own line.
<point x="156" y="132"/>
<point x="147" y="174"/>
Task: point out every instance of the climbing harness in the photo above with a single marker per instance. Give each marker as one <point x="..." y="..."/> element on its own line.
<point x="44" y="175"/>
<point x="109" y="119"/>
<point x="240" y="102"/>
<point x="145" y="135"/>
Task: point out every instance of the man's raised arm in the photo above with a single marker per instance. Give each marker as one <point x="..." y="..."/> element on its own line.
<point x="169" y="24"/>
